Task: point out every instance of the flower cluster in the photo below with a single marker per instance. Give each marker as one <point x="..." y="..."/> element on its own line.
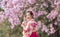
<point x="14" y="10"/>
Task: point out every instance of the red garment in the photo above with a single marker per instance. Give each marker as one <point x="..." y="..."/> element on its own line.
<point x="34" y="34"/>
<point x="31" y="29"/>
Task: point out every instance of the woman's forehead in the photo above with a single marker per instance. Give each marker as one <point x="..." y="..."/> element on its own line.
<point x="27" y="13"/>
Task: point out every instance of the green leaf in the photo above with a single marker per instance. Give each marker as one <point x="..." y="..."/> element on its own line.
<point x="1" y="9"/>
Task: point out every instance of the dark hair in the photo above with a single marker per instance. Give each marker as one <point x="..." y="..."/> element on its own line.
<point x="30" y="12"/>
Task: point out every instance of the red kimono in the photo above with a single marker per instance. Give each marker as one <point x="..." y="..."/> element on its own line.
<point x="31" y="29"/>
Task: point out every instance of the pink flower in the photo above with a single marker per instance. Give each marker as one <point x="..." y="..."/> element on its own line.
<point x="58" y="18"/>
<point x="14" y="19"/>
<point x="52" y="15"/>
<point x="57" y="2"/>
<point x="31" y="1"/>
<point x="2" y="17"/>
<point x="56" y="23"/>
<point x="42" y="13"/>
<point x="44" y="28"/>
<point x="39" y="24"/>
<point x="45" y="4"/>
<point x="52" y="30"/>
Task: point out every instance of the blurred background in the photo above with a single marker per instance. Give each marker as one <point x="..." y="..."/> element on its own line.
<point x="46" y="14"/>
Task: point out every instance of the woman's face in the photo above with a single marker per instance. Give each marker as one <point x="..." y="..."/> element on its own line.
<point x="28" y="16"/>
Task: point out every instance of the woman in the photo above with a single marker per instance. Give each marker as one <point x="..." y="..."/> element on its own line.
<point x="31" y="27"/>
